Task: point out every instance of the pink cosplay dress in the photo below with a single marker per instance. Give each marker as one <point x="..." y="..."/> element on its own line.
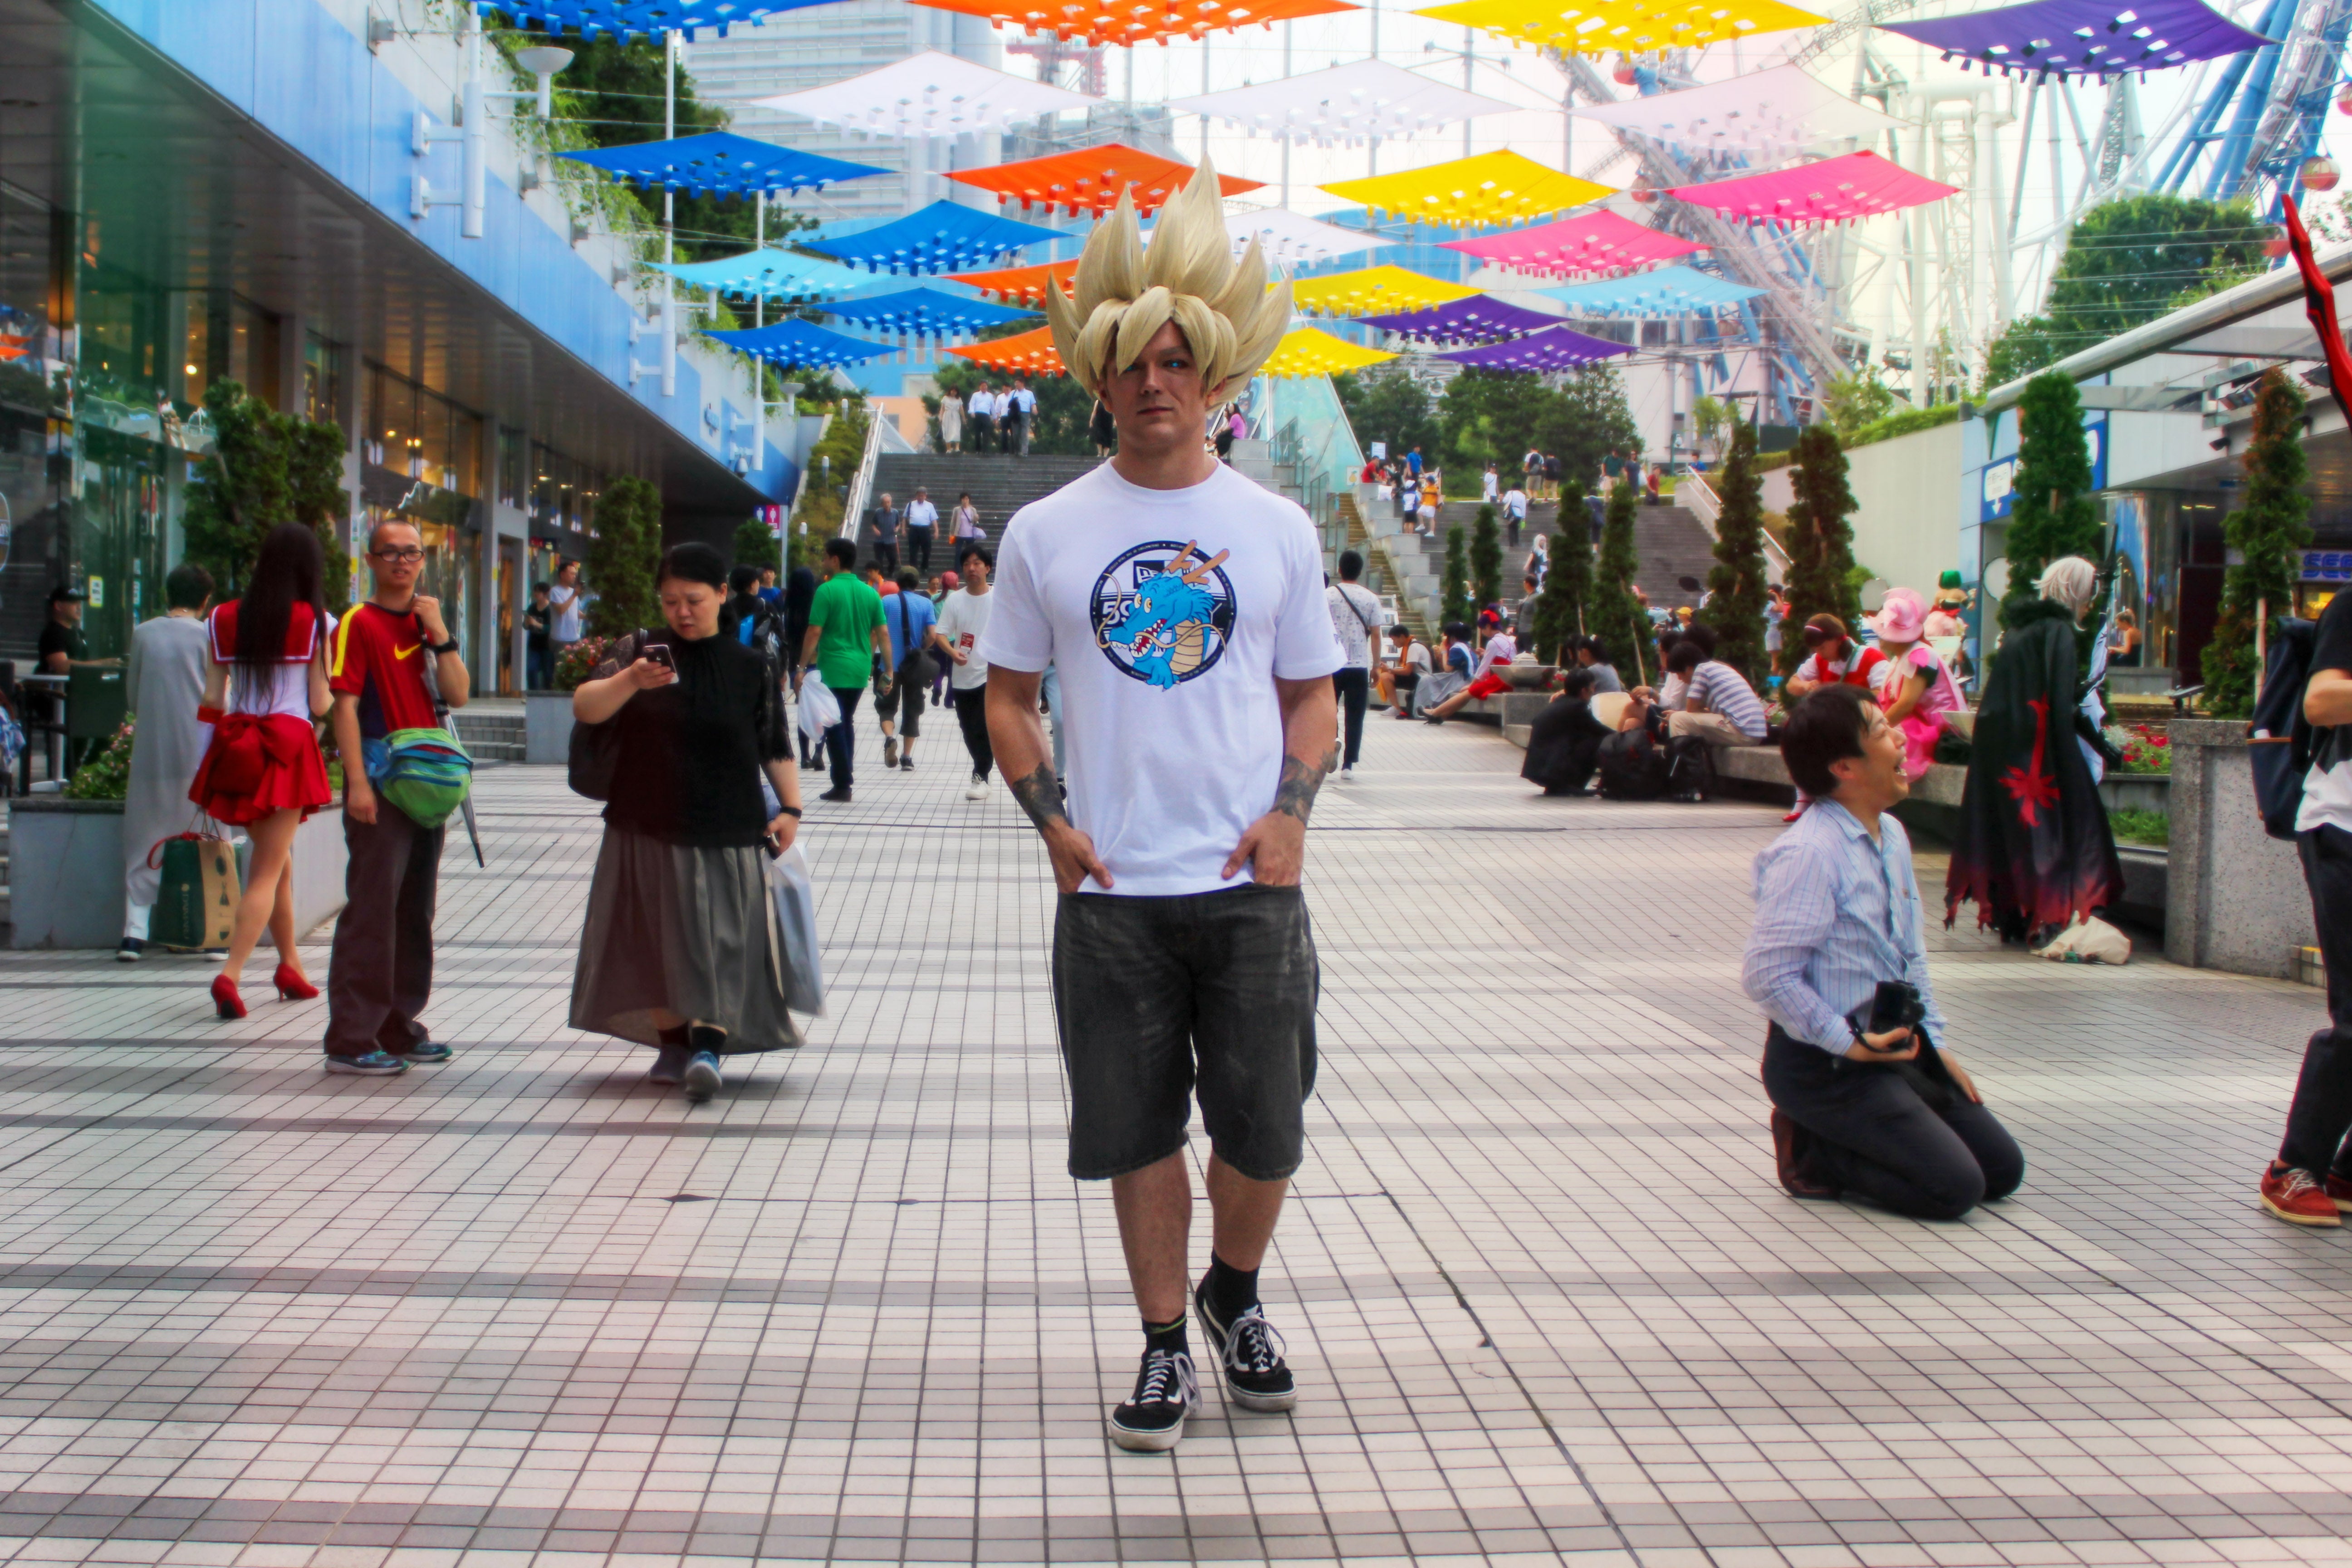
<point x="1927" y="720"/>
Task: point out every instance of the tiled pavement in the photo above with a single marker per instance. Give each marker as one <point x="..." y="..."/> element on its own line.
<point x="1542" y="1292"/>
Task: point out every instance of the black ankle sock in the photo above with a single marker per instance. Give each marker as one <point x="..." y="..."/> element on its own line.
<point x="671" y="1037"/>
<point x="1169" y="1337"/>
<point x="1231" y="1291"/>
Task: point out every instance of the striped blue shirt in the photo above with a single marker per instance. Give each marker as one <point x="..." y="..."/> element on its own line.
<point x="1716" y="687"/>
<point x="1835" y="914"/>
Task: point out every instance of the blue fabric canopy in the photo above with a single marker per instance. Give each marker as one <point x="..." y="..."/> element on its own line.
<point x="943" y="237"/>
<point x="1560" y="347"/>
<point x="626" y="19"/>
<point x="1479" y="319"/>
<point x="1669" y="291"/>
<point x="771" y="274"/>
<point x="924" y="313"/>
<point x="798" y="344"/>
<point x="719" y="163"/>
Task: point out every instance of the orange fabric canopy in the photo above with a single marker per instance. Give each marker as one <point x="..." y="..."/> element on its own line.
<point x="1025" y="284"/>
<point x="1030" y="353"/>
<point x="1137" y="21"/>
<point x="1089" y="180"/>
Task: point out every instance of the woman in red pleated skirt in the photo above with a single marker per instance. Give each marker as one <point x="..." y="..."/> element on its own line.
<point x="263" y="772"/>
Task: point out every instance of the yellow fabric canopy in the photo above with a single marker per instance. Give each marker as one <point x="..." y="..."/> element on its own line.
<point x="1310" y="353"/>
<point x="1371" y="289"/>
<point x="1493" y="187"/>
<point x="1603" y="27"/>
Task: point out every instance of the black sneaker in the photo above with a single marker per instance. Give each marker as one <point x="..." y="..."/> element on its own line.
<point x="1249" y="1352"/>
<point x="131" y="950"/>
<point x="840" y="791"/>
<point x="1166" y="1390"/>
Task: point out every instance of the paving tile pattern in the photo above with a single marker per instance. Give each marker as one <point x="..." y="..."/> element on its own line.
<point x="1545" y="1300"/>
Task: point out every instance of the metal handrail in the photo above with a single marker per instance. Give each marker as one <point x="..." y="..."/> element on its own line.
<point x="1690" y="488"/>
<point x="861" y="485"/>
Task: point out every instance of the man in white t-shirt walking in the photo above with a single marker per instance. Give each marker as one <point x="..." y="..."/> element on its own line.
<point x="964" y="621"/>
<point x="1183" y="605"/>
<point x="1356" y="616"/>
<point x="564" y="600"/>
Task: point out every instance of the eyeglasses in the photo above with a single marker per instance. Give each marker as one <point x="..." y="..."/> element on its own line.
<point x="404" y="555"/>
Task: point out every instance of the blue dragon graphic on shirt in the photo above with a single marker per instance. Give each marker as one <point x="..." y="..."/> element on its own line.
<point x="1167" y="621"/>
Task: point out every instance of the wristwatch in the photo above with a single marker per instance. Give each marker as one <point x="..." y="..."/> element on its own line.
<point x="450" y="646"/>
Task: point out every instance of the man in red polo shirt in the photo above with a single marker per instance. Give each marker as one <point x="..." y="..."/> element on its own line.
<point x="381" y="971"/>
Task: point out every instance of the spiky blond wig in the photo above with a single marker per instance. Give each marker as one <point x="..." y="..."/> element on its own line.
<point x="1124" y="293"/>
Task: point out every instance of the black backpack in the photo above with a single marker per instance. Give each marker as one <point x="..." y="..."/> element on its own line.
<point x="1632" y="766"/>
<point x="2282" y="744"/>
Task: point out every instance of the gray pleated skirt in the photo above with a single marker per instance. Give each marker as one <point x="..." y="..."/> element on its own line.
<point x="685" y="929"/>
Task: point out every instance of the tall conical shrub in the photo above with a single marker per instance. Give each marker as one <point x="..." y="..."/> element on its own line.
<point x="623" y="558"/>
<point x="2052" y="514"/>
<point x="2267" y="533"/>
<point x="1486" y="558"/>
<point x="1615" y="616"/>
<point x="1820" y="540"/>
<point x="1735" y="606"/>
<point x="1455" y="591"/>
<point x="1568" y="581"/>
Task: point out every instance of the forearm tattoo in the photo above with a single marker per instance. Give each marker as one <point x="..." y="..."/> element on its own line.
<point x="1295" y="797"/>
<point x="1040" y="795"/>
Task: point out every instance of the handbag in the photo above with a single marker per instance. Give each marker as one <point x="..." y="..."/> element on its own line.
<point x="916" y="668"/>
<point x="426" y="773"/>
<point x="594" y="750"/>
<point x="196" y="898"/>
<point x="793" y="893"/>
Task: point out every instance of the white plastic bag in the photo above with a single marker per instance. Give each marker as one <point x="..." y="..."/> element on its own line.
<point x="2089" y="941"/>
<point x="794" y="890"/>
<point x="819" y="712"/>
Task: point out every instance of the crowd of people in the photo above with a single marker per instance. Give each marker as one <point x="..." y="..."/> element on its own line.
<point x="1001" y="415"/>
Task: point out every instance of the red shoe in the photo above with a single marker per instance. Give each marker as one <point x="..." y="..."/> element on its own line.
<point x="226" y="1001"/>
<point x="1788" y="1157"/>
<point x="2295" y="1197"/>
<point x="2339" y="1191"/>
<point x="292" y="986"/>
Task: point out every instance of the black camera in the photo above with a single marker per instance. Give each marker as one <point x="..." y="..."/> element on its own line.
<point x="1897" y="1005"/>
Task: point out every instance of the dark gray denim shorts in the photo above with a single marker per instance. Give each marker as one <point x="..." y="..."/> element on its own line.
<point x="1159" y="996"/>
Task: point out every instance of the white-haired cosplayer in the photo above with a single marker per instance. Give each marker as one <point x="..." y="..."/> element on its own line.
<point x="1126" y="292"/>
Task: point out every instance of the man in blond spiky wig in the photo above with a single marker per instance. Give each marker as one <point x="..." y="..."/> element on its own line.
<point x="1183" y="607"/>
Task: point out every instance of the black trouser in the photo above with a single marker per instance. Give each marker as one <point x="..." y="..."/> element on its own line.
<point x="886" y="556"/>
<point x="840" y="740"/>
<point x="2321" y="1112"/>
<point x="380" y="972"/>
<point x="984" y="430"/>
<point x="971" y="717"/>
<point x="1355" y="689"/>
<point x="918" y="548"/>
<point x="1871" y="1135"/>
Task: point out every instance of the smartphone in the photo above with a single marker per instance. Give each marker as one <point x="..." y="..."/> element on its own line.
<point x="660" y="652"/>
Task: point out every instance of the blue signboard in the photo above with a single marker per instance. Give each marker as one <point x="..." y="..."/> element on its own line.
<point x="2328" y="565"/>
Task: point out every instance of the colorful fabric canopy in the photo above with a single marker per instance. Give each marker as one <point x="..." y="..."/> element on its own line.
<point x="1090" y="180"/>
<point x="1029" y="353"/>
<point x="923" y="313"/>
<point x="1491" y="188"/>
<point x="1026" y="284"/>
<point x="626" y="19"/>
<point x="1306" y="351"/>
<point x="930" y="94"/>
<point x="1600" y="26"/>
<point x="1668" y="291"/>
<point x="1284" y="236"/>
<point x="1560" y="347"/>
<point x="1100" y="21"/>
<point x="938" y="237"/>
<point x="1351" y="104"/>
<point x="719" y="163"/>
<point x="2084" y="37"/>
<point x="771" y="273"/>
<point x="1765" y="117"/>
<point x="1477" y="320"/>
<point x="1371" y="288"/>
<point x="799" y="344"/>
<point x="1597" y="242"/>
<point x="1835" y="190"/>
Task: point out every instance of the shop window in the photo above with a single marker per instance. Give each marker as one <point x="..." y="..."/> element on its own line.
<point x="514" y="485"/>
<point x="253" y="349"/>
<point x="322" y="380"/>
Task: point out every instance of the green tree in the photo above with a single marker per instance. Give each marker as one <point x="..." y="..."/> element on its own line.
<point x="1587" y="419"/>
<point x="1856" y="399"/>
<point x="1486" y="558"/>
<point x="265" y="469"/>
<point x="1614" y="615"/>
<point x="1710" y="418"/>
<point x="2268" y="533"/>
<point x="2125" y="263"/>
<point x="2051" y="514"/>
<point x="1820" y="540"/>
<point x="1735" y="606"/>
<point x="755" y="546"/>
<point x="622" y="557"/>
<point x="1568" y="582"/>
<point x="1391" y="407"/>
<point x="1455" y="591"/>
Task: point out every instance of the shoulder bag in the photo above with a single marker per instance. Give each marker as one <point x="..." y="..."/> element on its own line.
<point x="595" y="748"/>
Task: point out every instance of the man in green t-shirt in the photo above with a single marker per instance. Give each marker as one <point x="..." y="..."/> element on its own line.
<point x="845" y="635"/>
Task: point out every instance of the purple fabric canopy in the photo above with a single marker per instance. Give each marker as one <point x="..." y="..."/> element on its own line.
<point x="1560" y="347"/>
<point x="2084" y="37"/>
<point x="1476" y="320"/>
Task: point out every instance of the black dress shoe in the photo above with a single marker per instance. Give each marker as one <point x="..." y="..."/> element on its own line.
<point x="838" y="793"/>
<point x="1791" y="1143"/>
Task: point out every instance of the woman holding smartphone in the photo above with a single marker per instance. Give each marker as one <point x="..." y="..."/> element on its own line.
<point x="679" y="950"/>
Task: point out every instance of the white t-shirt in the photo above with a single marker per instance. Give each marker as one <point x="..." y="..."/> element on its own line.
<point x="1356" y="616"/>
<point x="1169" y="615"/>
<point x="565" y="602"/>
<point x="922" y="514"/>
<point x="963" y="619"/>
<point x="1501" y="648"/>
<point x="1515" y="503"/>
<point x="1486" y="486"/>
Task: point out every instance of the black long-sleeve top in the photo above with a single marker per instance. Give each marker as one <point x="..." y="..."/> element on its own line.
<point x="687" y="772"/>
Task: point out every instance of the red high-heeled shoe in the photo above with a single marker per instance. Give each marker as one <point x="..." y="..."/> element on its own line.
<point x="292" y="986"/>
<point x="226" y="1001"/>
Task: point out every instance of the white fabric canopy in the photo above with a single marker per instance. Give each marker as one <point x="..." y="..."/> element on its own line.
<point x="1764" y="116"/>
<point x="1352" y="104"/>
<point x="930" y="94"/>
<point x="1288" y="237"/>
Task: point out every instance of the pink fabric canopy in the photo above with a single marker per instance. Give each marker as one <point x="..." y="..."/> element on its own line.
<point x="1836" y="190"/>
<point x="1597" y="242"/>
